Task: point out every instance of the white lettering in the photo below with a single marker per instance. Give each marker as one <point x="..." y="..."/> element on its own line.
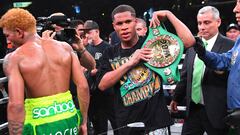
<point x="71" y="131"/>
<point x="59" y="107"/>
<point x="75" y="131"/>
<point x="71" y="105"/>
<point x="54" y="109"/>
<point x="65" y="107"/>
<point x="65" y="131"/>
<point x="36" y="113"/>
<point x="59" y="132"/>
<point x="43" y="112"/>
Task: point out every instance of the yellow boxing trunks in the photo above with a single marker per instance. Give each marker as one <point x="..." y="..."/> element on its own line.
<point x="51" y="115"/>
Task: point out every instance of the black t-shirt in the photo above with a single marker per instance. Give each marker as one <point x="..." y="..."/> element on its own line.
<point x="97" y="50"/>
<point x="138" y="95"/>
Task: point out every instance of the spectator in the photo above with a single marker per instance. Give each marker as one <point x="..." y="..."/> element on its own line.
<point x="114" y="38"/>
<point x="78" y="25"/>
<point x="233" y="31"/>
<point x="141" y="27"/>
<point x="60" y="22"/>
<point x="101" y="103"/>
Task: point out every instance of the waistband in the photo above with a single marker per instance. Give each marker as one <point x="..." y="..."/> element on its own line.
<point x="49" y="108"/>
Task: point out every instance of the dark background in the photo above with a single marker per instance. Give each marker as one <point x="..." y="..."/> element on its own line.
<point x="100" y="10"/>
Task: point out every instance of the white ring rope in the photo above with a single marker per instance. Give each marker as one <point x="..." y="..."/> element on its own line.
<point x="3" y="100"/>
<point x="4" y="125"/>
<point x="180" y="108"/>
<point x="3" y="79"/>
<point x="1" y="60"/>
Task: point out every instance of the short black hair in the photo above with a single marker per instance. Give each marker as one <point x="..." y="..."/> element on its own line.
<point x="75" y="23"/>
<point x="123" y="8"/>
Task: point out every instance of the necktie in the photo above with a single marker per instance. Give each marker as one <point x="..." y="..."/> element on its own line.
<point x="197" y="78"/>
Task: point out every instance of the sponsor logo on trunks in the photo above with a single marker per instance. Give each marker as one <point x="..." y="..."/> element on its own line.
<point x="65" y="126"/>
<point x="71" y="131"/>
<point x="55" y="108"/>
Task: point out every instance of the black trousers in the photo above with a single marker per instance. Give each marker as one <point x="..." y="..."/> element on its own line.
<point x="101" y="109"/>
<point x="238" y="131"/>
<point x="197" y="123"/>
<point x="234" y="131"/>
<point x="233" y="119"/>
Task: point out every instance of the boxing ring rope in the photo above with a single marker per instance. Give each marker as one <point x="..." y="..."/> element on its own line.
<point x="4" y="125"/>
<point x="180" y="108"/>
<point x="3" y="100"/>
<point x="1" y="61"/>
<point x="3" y="79"/>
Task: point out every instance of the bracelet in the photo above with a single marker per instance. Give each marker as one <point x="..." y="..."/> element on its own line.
<point x="81" y="52"/>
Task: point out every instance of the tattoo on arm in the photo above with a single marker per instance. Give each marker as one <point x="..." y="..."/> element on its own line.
<point x="15" y="127"/>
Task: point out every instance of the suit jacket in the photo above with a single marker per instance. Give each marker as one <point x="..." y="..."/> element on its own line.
<point x="214" y="86"/>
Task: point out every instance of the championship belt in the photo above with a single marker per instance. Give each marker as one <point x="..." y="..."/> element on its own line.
<point x="167" y="50"/>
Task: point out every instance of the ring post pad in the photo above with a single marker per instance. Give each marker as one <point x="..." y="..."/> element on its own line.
<point x="167" y="50"/>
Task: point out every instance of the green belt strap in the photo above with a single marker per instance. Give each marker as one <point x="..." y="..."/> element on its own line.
<point x="167" y="52"/>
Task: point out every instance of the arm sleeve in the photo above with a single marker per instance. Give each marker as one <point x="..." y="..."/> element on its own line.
<point x="215" y="60"/>
<point x="218" y="61"/>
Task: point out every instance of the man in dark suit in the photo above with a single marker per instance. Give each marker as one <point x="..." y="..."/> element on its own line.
<point x="205" y="89"/>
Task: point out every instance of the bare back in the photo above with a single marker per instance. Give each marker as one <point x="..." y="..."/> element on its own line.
<point x="45" y="66"/>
